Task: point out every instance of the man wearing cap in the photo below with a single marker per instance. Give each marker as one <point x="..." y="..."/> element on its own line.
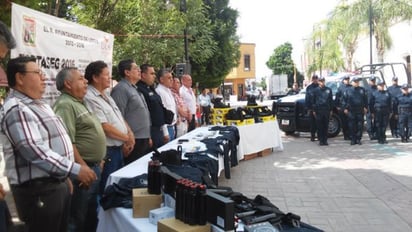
<point x="403" y="108"/>
<point x="370" y="122"/>
<point x="394" y="90"/>
<point x="322" y="104"/>
<point x="380" y="106"/>
<point x="355" y="104"/>
<point x="345" y="85"/>
<point x="308" y="102"/>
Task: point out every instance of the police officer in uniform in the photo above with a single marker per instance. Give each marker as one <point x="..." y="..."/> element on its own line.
<point x="370" y="121"/>
<point x="403" y="109"/>
<point x="154" y="102"/>
<point x="339" y="104"/>
<point x="355" y="105"/>
<point x="394" y="90"/>
<point x="322" y="104"/>
<point x="308" y="101"/>
<point x="380" y="105"/>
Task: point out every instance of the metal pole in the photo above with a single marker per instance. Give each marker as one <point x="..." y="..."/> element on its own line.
<point x="370" y="33"/>
<point x="186" y="47"/>
<point x="186" y="42"/>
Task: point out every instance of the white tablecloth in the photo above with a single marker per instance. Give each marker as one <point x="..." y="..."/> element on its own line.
<point x="253" y="138"/>
<point x="258" y="137"/>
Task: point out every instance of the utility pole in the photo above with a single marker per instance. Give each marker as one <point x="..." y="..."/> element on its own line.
<point x="370" y="33"/>
<point x="186" y="42"/>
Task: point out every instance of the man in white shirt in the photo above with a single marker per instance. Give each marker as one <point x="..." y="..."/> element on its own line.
<point x="189" y="98"/>
<point x="165" y="79"/>
<point x="205" y="104"/>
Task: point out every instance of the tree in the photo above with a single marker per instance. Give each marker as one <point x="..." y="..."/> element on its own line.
<point x="351" y="21"/>
<point x="280" y="62"/>
<point x="212" y="72"/>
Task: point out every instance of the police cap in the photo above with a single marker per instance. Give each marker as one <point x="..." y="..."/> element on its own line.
<point x="405" y="86"/>
<point x="321" y="79"/>
<point x="356" y="79"/>
<point x="380" y="82"/>
<point x="346" y="77"/>
<point x="372" y="78"/>
<point x="315" y="77"/>
<point x="394" y="78"/>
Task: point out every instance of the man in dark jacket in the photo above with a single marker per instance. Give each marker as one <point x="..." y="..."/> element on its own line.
<point x="370" y="121"/>
<point x="154" y="103"/>
<point x="355" y="105"/>
<point x="380" y="105"/>
<point x="403" y="109"/>
<point x="395" y="91"/>
<point x="322" y="104"/>
<point x="339" y="104"/>
<point x="309" y="94"/>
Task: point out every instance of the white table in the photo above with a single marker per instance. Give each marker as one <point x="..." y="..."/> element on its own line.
<point x="258" y="137"/>
<point x="253" y="138"/>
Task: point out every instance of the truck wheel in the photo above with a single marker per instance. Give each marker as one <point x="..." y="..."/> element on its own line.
<point x="289" y="132"/>
<point x="334" y="126"/>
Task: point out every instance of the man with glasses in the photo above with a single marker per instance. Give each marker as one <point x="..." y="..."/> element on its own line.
<point x="133" y="106"/>
<point x="38" y="153"/>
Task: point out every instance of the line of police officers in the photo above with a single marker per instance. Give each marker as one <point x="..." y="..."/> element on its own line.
<point x="353" y="102"/>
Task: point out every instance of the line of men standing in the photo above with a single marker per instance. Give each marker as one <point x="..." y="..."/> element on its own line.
<point x="58" y="159"/>
<point x="381" y="107"/>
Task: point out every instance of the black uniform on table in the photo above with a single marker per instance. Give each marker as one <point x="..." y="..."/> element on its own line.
<point x="308" y="101"/>
<point x="322" y="104"/>
<point x="403" y="108"/>
<point x="380" y="106"/>
<point x="394" y="90"/>
<point x="355" y="104"/>
<point x="370" y="122"/>
<point x="339" y="104"/>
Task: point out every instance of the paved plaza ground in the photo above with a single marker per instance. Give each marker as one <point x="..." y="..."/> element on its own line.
<point x="340" y="187"/>
<point x="337" y="187"/>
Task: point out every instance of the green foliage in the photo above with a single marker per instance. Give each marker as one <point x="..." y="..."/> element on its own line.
<point x="212" y="72"/>
<point x="152" y="31"/>
<point x="263" y="83"/>
<point x="280" y="62"/>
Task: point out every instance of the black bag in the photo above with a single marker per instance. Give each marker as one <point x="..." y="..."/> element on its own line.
<point x="168" y="115"/>
<point x="171" y="156"/>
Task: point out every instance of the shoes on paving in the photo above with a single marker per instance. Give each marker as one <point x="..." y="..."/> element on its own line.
<point x="312" y="139"/>
<point x="352" y="142"/>
<point x="359" y="142"/>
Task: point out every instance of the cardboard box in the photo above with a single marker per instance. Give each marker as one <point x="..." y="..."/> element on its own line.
<point x="161" y="213"/>
<point x="174" y="225"/>
<point x="143" y="202"/>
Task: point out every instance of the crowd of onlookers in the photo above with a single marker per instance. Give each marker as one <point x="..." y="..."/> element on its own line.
<point x="58" y="157"/>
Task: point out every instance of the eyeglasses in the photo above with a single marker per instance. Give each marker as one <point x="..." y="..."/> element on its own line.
<point x="38" y="72"/>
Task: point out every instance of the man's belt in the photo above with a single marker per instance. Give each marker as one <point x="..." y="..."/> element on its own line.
<point x="92" y="163"/>
<point x="381" y="107"/>
<point x="41" y="182"/>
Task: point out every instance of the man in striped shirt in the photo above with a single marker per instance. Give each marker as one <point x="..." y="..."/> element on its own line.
<point x="38" y="152"/>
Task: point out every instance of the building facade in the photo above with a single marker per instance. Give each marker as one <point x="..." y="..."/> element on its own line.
<point x="235" y="81"/>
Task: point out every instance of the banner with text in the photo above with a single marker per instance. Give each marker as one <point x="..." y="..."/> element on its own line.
<point x="57" y="43"/>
